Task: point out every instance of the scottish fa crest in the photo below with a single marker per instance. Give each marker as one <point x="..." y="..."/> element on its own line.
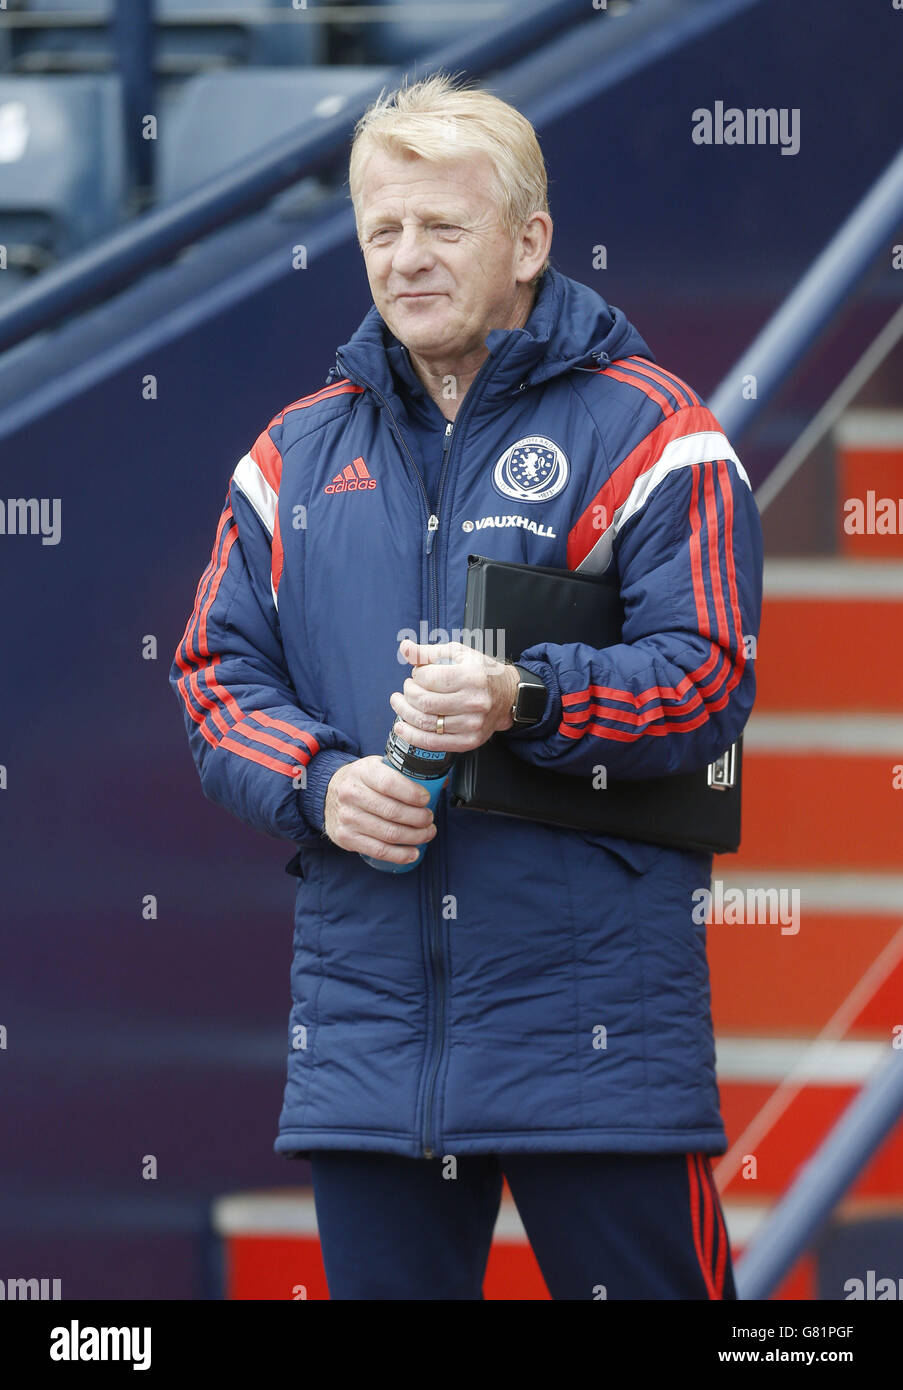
<point x="532" y="470"/>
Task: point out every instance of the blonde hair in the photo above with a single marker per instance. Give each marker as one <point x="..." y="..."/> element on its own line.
<point x="441" y="119"/>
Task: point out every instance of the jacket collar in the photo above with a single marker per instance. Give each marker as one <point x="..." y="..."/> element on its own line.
<point x="569" y="326"/>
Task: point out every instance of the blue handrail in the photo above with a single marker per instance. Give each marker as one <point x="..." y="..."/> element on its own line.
<point x="156" y="237"/>
<point x="803" y="1209"/>
<point x="829" y="284"/>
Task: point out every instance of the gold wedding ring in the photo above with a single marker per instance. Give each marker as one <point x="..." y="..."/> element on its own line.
<point x="440" y="724"/>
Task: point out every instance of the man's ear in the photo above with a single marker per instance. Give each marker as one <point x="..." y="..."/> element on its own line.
<point x="535" y="244"/>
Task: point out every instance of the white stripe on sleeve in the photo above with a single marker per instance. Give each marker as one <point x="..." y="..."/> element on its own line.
<point x="250" y="481"/>
<point x="707" y="446"/>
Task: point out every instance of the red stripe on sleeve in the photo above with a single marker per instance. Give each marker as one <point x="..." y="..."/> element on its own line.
<point x="195" y="663"/>
<point x="700" y="684"/>
<point x="268" y="459"/>
<point x="286" y="728"/>
<point x="642" y="383"/>
<point x="261" y="736"/>
<point x="711" y="516"/>
<point x="225" y="517"/>
<point x="277" y="562"/>
<point x="337" y="388"/>
<point x="727" y="496"/>
<point x="683" y="393"/>
<point x="702" y="607"/>
<point x="653" y="692"/>
<point x="253" y="755"/>
<point x="186" y="658"/>
<point x="615" y="491"/>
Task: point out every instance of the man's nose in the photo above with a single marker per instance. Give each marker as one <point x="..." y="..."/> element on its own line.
<point x="412" y="251"/>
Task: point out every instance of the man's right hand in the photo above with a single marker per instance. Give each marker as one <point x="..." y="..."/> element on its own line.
<point x="375" y="810"/>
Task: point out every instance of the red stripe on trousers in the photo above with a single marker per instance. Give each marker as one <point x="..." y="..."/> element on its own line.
<point x="692" y="1176"/>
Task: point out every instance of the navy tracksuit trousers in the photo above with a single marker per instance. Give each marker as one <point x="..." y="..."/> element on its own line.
<point x="619" y="1226"/>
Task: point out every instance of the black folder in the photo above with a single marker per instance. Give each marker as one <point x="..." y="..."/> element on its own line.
<point x="530" y="604"/>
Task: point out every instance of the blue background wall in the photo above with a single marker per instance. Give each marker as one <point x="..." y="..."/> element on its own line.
<point x="129" y="1037"/>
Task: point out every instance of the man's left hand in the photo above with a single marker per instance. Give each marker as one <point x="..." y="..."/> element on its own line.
<point x="473" y="694"/>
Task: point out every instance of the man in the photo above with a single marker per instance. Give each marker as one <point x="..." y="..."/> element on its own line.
<point x="529" y="1001"/>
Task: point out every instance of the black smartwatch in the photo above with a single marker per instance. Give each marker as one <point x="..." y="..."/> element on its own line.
<point x="530" y="701"/>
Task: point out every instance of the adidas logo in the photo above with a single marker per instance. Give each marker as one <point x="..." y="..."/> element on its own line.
<point x="355" y="477"/>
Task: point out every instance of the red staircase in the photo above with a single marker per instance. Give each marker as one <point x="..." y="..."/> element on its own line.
<point x="801" y="1018"/>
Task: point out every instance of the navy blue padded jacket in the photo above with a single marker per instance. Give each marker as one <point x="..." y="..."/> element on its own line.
<point x="527" y="988"/>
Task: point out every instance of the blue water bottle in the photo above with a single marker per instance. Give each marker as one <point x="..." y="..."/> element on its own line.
<point x="429" y="767"/>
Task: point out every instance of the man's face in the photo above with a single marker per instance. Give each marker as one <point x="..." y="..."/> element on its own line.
<point x="442" y="269"/>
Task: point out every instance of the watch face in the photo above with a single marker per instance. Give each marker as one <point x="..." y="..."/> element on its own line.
<point x="531" y="699"/>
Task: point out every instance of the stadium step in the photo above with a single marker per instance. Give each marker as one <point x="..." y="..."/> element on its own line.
<point x="780" y="1096"/>
<point x="271" y="1248"/>
<point x="827" y="637"/>
<point x="848" y="925"/>
<point x="869" y="445"/>
<point x="807" y="972"/>
<point x="836" y="780"/>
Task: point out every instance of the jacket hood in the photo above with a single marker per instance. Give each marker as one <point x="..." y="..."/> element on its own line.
<point x="569" y="326"/>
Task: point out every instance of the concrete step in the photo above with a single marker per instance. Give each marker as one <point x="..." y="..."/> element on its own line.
<point x="827" y="637"/>
<point x="869" y="452"/>
<point x="847" y="954"/>
<point x="791" y="1138"/>
<point x="823" y="792"/>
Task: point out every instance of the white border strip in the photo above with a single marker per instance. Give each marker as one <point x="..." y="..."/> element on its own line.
<point x="846" y="579"/>
<point x="830" y="1063"/>
<point x="877" y="895"/>
<point x="293" y="1213"/>
<point x="879" y="734"/>
<point x="870" y="429"/>
<point x="743" y="1220"/>
<point x="294" y="1216"/>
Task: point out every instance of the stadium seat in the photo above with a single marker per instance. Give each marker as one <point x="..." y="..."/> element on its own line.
<point x="217" y="34"/>
<point x="398" y="40"/>
<point x="62" y="168"/>
<point x="220" y="118"/>
<point x="79" y="46"/>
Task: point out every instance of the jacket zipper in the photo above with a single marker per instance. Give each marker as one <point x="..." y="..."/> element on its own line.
<point x="437" y="962"/>
<point x="437" y="970"/>
<point x="437" y="959"/>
